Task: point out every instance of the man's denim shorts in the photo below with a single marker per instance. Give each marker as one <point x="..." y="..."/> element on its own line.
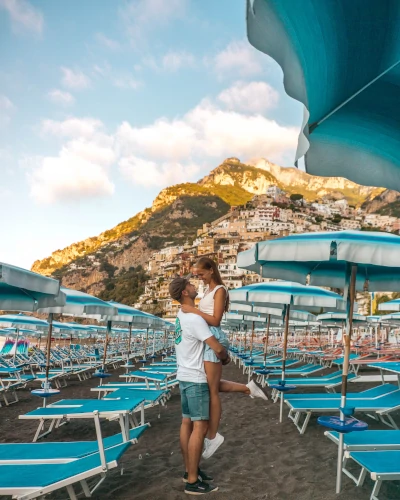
<point x="195" y="400"/>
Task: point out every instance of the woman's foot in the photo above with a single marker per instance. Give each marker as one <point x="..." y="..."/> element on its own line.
<point x="212" y="445"/>
<point x="255" y="391"/>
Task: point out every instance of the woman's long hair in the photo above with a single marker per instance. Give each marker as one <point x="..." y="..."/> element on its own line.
<point x="208" y="264"/>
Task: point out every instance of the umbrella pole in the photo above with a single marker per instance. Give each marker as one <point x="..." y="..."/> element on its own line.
<point x="285" y="341"/>
<point x="266" y="338"/>
<point x="16" y="344"/>
<point x="145" y="344"/>
<point x="251" y="339"/>
<point x="347" y="341"/>
<point x="48" y="351"/>
<point x="154" y="341"/>
<point x="108" y="331"/>
<point x="245" y="340"/>
<point x="129" y="343"/>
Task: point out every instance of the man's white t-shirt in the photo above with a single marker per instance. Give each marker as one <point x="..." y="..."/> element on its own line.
<point x="190" y="332"/>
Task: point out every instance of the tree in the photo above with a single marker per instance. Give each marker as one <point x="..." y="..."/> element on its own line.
<point x="296" y="197"/>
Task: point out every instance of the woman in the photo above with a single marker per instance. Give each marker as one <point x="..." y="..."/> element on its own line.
<point x="212" y="308"/>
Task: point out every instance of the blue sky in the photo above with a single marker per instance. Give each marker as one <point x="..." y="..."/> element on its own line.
<point x="103" y="104"/>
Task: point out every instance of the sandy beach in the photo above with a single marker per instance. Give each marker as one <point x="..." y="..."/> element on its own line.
<point x="260" y="459"/>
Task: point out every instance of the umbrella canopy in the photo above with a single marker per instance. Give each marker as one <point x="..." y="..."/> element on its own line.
<point x="260" y="311"/>
<point x="20" y="320"/>
<point x="391" y="305"/>
<point x="391" y="318"/>
<point x="341" y="60"/>
<point x="278" y="294"/>
<point x="22" y="290"/>
<point x="366" y="261"/>
<point x="80" y="304"/>
<point x="331" y="318"/>
<point x="324" y="259"/>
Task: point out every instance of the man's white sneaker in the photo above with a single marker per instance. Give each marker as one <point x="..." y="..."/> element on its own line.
<point x="212" y="445"/>
<point x="255" y="391"/>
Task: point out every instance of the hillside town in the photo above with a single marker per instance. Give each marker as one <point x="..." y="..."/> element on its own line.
<point x="267" y="216"/>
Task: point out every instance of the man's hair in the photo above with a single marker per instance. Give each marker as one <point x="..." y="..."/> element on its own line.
<point x="177" y="286"/>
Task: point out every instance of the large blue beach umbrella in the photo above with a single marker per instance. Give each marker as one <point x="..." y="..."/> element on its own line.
<point x="340" y="59"/>
<point x="351" y="260"/>
<point x="23" y="290"/>
<point x="391" y="305"/>
<point x="285" y="296"/>
<point x="21" y="320"/>
<point x="269" y="313"/>
<point x="78" y="304"/>
<point x="132" y="316"/>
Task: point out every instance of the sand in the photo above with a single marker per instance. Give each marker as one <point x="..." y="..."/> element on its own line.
<point x="260" y="459"/>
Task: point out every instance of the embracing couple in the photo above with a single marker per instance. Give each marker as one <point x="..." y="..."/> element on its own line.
<point x="201" y="350"/>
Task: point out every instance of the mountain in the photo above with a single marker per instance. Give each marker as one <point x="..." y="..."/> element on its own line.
<point x="386" y="203"/>
<point x="105" y="263"/>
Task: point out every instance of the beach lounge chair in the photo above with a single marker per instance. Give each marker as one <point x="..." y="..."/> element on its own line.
<point x="370" y="440"/>
<point x="382" y="466"/>
<point x="60" y="452"/>
<point x="25" y="482"/>
<point x="379" y="408"/>
<point x="374" y="392"/>
<point x="151" y="397"/>
<point x="62" y="411"/>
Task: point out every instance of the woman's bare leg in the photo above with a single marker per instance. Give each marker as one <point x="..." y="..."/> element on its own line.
<point x="213" y="372"/>
<point x="229" y="386"/>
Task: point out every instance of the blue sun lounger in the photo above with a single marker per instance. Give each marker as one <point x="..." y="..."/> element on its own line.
<point x="370" y="440"/>
<point x="62" y="411"/>
<point x="382" y="466"/>
<point x="60" y="452"/>
<point x="374" y="392"/>
<point x="304" y="371"/>
<point x="378" y="408"/>
<point x="151" y="397"/>
<point x="25" y="482"/>
<point x="160" y="380"/>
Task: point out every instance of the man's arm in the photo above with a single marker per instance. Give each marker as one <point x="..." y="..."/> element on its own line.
<point x="218" y="348"/>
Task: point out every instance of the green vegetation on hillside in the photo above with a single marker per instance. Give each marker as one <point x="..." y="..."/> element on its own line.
<point x="126" y="286"/>
<point x="189" y="214"/>
<point x="392" y="209"/>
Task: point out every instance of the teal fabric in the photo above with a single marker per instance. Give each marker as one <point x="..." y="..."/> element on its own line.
<point x="380" y="462"/>
<point x="36" y="476"/>
<point x="324" y="258"/>
<point x="375" y="392"/>
<point x="88" y="407"/>
<point x="370" y="438"/>
<point x="329" y="52"/>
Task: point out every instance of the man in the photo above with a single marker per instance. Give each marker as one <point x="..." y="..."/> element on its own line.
<point x="191" y="332"/>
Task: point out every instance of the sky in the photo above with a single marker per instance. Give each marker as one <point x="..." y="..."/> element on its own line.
<point x="103" y="104"/>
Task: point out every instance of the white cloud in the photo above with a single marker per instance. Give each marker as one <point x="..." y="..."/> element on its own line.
<point x="6" y="110"/>
<point x="149" y="173"/>
<point x="109" y="43"/>
<point x="61" y="97"/>
<point x="164" y="139"/>
<point x="80" y="170"/>
<point x="24" y="16"/>
<point x="172" y="61"/>
<point x="253" y="97"/>
<point x="164" y="152"/>
<point x="143" y="17"/>
<point x="68" y="178"/>
<point x="72" y="127"/>
<point x="74" y="79"/>
<point x="239" y="58"/>
<point x="206" y="134"/>
<point x="126" y="82"/>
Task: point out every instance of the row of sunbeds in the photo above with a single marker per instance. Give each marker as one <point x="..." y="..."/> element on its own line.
<point x="32" y="470"/>
<point x="375" y="452"/>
